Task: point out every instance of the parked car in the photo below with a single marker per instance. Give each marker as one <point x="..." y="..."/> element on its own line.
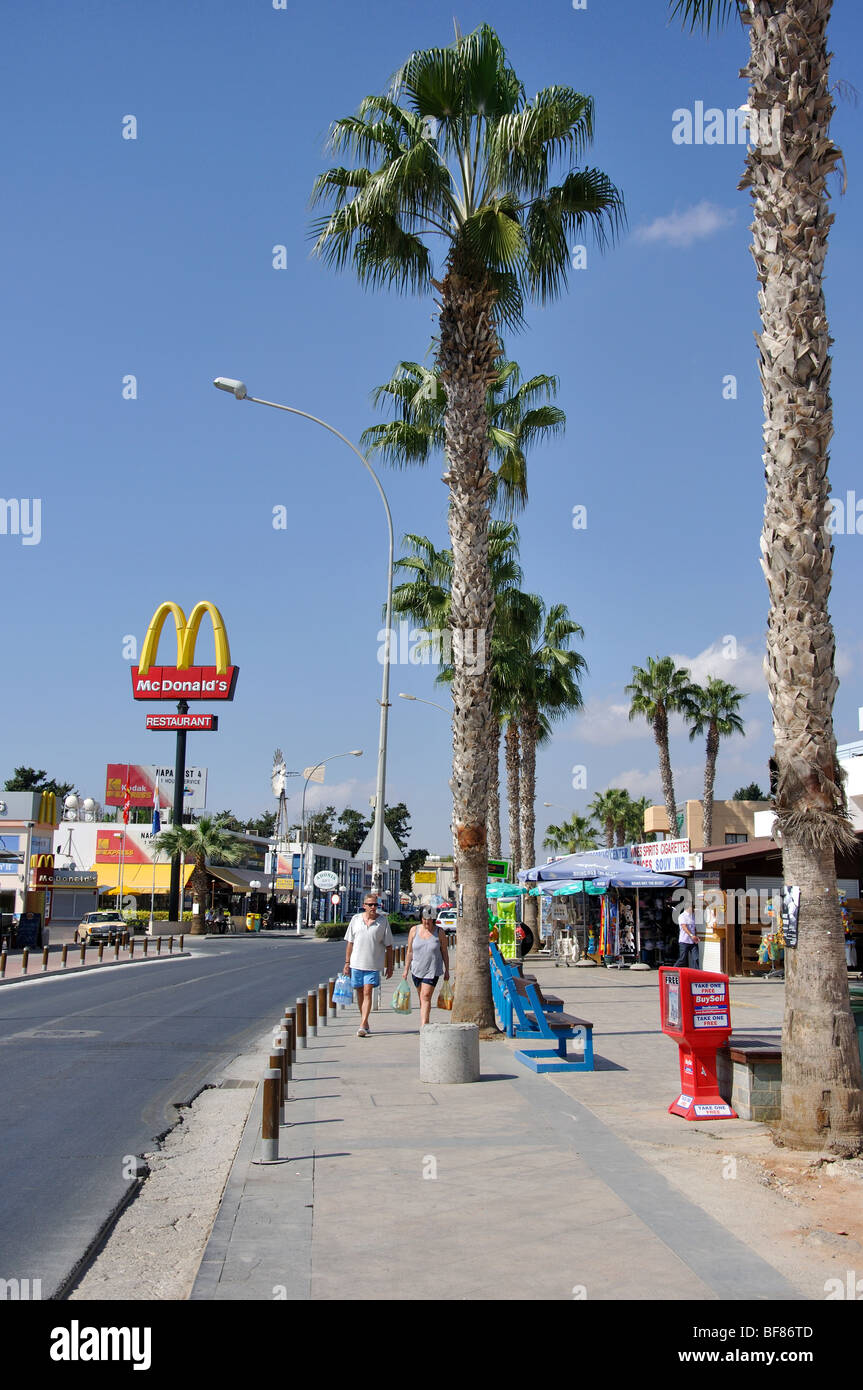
<point x="448" y="919"/>
<point x="105" y="926"/>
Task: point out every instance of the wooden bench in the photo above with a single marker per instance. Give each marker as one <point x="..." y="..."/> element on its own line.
<point x="529" y="1020"/>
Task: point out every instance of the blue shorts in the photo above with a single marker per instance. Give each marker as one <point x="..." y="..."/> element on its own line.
<point x="364" y="977"/>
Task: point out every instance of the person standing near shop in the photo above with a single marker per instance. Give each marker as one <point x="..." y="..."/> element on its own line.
<point x="427" y="959"/>
<point x="687" y="940"/>
<point x="369" y="949"/>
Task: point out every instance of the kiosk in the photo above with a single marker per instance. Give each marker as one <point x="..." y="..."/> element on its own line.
<point x="696" y="1013"/>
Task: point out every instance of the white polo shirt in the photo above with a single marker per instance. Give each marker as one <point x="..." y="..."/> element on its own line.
<point x="369" y="942"/>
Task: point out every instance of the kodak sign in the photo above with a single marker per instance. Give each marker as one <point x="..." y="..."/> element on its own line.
<point x="185" y="680"/>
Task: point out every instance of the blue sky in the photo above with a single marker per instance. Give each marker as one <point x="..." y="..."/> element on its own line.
<point x="154" y="257"/>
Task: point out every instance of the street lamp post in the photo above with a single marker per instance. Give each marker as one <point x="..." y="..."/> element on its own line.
<point x="352" y="753"/>
<point x="238" y="389"/>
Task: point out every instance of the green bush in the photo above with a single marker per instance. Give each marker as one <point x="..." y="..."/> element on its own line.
<point x="331" y="931"/>
<point x="142" y="919"/>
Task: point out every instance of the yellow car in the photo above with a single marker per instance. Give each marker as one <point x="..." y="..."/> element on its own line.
<point x="105" y="926"/>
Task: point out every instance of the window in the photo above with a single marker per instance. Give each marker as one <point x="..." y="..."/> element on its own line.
<point x="736" y="839"/>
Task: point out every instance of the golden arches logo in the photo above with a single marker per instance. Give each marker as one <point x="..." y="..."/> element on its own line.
<point x="47" y="809"/>
<point x="187" y="636"/>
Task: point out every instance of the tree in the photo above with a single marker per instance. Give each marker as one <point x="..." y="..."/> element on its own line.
<point x="713" y="710"/>
<point x="634" y="820"/>
<point x="610" y="809"/>
<point x="264" y="824"/>
<point x="228" y="820"/>
<point x="789" y="81"/>
<point x="320" y="828"/>
<point x="751" y="792"/>
<point x="206" y="840"/>
<point x="658" y="690"/>
<point x="571" y="836"/>
<point x="353" y="829"/>
<point x="454" y="150"/>
<point x="28" y="779"/>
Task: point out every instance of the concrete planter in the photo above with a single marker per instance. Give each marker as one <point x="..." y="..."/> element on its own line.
<point x="449" y="1053"/>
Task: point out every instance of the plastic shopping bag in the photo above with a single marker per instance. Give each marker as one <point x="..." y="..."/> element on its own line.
<point x="445" y="995"/>
<point x="402" y="998"/>
<point x="342" y="992"/>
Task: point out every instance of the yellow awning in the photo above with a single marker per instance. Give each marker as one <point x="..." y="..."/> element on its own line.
<point x="137" y="878"/>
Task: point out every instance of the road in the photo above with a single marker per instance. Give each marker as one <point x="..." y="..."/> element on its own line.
<point x="92" y="1067"/>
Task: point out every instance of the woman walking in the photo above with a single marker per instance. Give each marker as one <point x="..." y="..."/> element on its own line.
<point x="427" y="954"/>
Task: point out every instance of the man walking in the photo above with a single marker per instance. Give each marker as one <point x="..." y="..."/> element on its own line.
<point x="368" y="950"/>
<point x="687" y="940"/>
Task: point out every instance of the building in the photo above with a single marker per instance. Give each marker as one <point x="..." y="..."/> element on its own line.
<point x="434" y="883"/>
<point x="733" y="822"/>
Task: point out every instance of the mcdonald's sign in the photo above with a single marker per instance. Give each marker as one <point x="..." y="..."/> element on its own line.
<point x="41" y="870"/>
<point x="184" y="680"/>
<point x="47" y="814"/>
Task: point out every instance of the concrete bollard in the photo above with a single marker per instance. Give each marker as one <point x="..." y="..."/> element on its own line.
<point x="45" y="957"/>
<point x="301" y="1023"/>
<point x="25" y="957"/>
<point x="2" y="965"/>
<point x="291" y="1030"/>
<point x="64" y="953"/>
<point x="449" y="1052"/>
<point x="312" y="1013"/>
<point x="277" y="1060"/>
<point x="146" y="944"/>
<point x="181" y="943"/>
<point x="270" y="1117"/>
<point x="282" y="1038"/>
<point x="331" y="1003"/>
<point x="170" y="945"/>
<point x="158" y="945"/>
<point x="132" y="950"/>
<point x="117" y="949"/>
<point x="322" y="1006"/>
<point x="83" y="952"/>
<point x="101" y="951"/>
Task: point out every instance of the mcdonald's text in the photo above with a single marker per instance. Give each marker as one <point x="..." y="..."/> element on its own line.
<point x="189" y="683"/>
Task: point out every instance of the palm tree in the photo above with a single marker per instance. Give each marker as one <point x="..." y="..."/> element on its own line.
<point x="206" y="839"/>
<point x="454" y="150"/>
<point x="573" y="835"/>
<point x="425" y="597"/>
<point x="550" y="692"/>
<point x="713" y="710"/>
<point x="634" y="820"/>
<point x="658" y="690"/>
<point x="789" y="76"/>
<point x="609" y="809"/>
<point x="519" y="416"/>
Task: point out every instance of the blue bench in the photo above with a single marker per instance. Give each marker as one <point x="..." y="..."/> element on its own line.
<point x="504" y="969"/>
<point x="521" y="1013"/>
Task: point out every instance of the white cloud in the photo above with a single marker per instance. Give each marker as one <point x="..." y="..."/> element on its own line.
<point x="685" y="228"/>
<point x="639" y="783"/>
<point x="729" y="660"/>
<point x="607" y="722"/>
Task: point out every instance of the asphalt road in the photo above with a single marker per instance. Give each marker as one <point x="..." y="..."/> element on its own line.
<point x="93" y="1065"/>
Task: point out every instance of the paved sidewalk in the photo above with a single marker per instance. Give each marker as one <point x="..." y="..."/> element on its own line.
<point x="518" y="1186"/>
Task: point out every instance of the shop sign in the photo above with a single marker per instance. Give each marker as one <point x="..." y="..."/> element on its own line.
<point x="184" y="680"/>
<point x="183" y="721"/>
<point x="326" y="880"/>
<point x="141" y="778"/>
<point x="75" y="878"/>
<point x="425" y="876"/>
<point x="41" y="870"/>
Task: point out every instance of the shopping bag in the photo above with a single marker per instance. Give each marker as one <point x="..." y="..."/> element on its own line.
<point x="342" y="992"/>
<point x="445" y="996"/>
<point x="402" y="998"/>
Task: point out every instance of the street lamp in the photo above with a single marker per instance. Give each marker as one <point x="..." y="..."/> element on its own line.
<point x="420" y="701"/>
<point x="352" y="753"/>
<point x="238" y="389"/>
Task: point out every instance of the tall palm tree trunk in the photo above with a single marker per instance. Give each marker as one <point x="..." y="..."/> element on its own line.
<point x="467" y="354"/>
<point x="513" y="794"/>
<point x="822" y="1101"/>
<point x="529" y="730"/>
<point x="660" y="733"/>
<point x="709" y="780"/>
<point x="493" y="817"/>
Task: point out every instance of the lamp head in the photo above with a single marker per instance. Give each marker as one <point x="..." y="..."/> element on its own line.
<point x="226" y="383"/>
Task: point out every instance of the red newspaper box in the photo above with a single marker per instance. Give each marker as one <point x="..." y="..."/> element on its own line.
<point x="696" y="1012"/>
